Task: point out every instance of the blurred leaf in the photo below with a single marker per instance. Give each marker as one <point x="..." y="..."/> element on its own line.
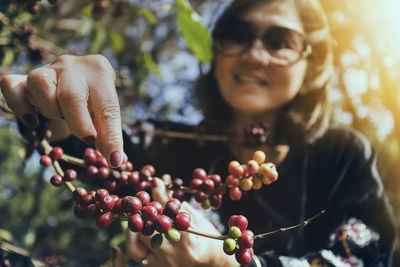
<point x="85" y="26"/>
<point x="117" y="42"/>
<point x="8" y="58"/>
<point x="87" y="11"/>
<point x="195" y="34"/>
<point x="150" y="64"/>
<point x="98" y="42"/>
<point x="151" y="19"/>
<point x="6" y="235"/>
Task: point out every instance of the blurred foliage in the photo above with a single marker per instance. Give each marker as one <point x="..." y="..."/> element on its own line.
<point x="155" y="47"/>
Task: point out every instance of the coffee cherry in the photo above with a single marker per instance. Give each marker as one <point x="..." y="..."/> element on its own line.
<point x="182" y="221"/>
<point x="131" y="204"/>
<point x="206" y="204"/>
<point x="70" y="175"/>
<point x="196" y="183"/>
<point x="216" y="178"/>
<point x="200" y="196"/>
<point x="246" y="240"/>
<point x="179" y="194"/>
<point x="92" y="171"/>
<point x="149" y="213"/>
<point x="135" y="223"/>
<point x="149" y="168"/>
<point x="163" y="223"/>
<point x="252" y="166"/>
<point x="171" y="209"/>
<point x="200" y="174"/>
<point x="123" y="178"/>
<point x="56" y="153"/>
<point x="87" y="200"/>
<point x="142" y="186"/>
<point x="45" y="161"/>
<point x="173" y="235"/>
<point x="246" y="184"/>
<point x="215" y="201"/>
<point x="133" y="178"/>
<point x="144" y="197"/>
<point x="240" y="221"/>
<point x="104" y="220"/>
<point x="235" y="193"/>
<point x="103" y="173"/>
<point x="229" y="245"/>
<point x="259" y="156"/>
<point x="79" y="193"/>
<point x="89" y="156"/>
<point x="80" y="211"/>
<point x="243" y="256"/>
<point x="157" y="205"/>
<point x="257" y="184"/>
<point x="92" y="210"/>
<point x="232" y="181"/>
<point x="101" y="193"/>
<point x="208" y="185"/>
<point x="107" y="203"/>
<point x="269" y="172"/>
<point x="56" y="180"/>
<point x="234" y="232"/>
<point x="156" y="241"/>
<point x="118" y="206"/>
<point x="148" y="228"/>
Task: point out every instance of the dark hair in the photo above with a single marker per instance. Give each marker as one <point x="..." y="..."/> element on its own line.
<point x="307" y="115"/>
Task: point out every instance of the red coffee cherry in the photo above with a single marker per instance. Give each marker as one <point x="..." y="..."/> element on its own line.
<point x="163" y="223"/>
<point x="103" y="173"/>
<point x="107" y="203"/>
<point x="200" y="196"/>
<point x="45" y="161"/>
<point x="200" y="174"/>
<point x="157" y="205"/>
<point x="79" y="193"/>
<point x="101" y="193"/>
<point x="208" y="185"/>
<point x="149" y="168"/>
<point x="92" y="210"/>
<point x="131" y="204"/>
<point x="216" y="179"/>
<point x="56" y="153"/>
<point x="171" y="209"/>
<point x="235" y="193"/>
<point x="118" y="206"/>
<point x="149" y="213"/>
<point x="246" y="240"/>
<point x="70" y="175"/>
<point x="133" y="178"/>
<point x="144" y="197"/>
<point x="239" y="221"/>
<point x="196" y="183"/>
<point x="216" y="201"/>
<point x="148" y="228"/>
<point x="89" y="156"/>
<point x="182" y="221"/>
<point x="243" y="256"/>
<point x="179" y="194"/>
<point x="80" y="211"/>
<point x="56" y="180"/>
<point x="135" y="223"/>
<point x="104" y="220"/>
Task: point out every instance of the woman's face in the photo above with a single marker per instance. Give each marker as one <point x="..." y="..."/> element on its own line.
<point x="249" y="82"/>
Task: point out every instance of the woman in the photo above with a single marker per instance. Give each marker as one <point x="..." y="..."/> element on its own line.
<point x="273" y="65"/>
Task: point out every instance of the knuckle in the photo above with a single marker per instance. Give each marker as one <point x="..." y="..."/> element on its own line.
<point x="6" y="83"/>
<point x="64" y="60"/>
<point x="38" y="82"/>
<point x="102" y="64"/>
<point x="109" y="111"/>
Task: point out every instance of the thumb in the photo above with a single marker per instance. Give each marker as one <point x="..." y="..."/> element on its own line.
<point x="159" y="191"/>
<point x="118" y="259"/>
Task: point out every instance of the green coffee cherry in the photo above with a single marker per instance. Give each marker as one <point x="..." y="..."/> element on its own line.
<point x="234" y="232"/>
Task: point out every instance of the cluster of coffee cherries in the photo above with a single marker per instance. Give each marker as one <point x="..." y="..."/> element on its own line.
<point x="257" y="134"/>
<point x="240" y="240"/>
<point x="252" y="175"/>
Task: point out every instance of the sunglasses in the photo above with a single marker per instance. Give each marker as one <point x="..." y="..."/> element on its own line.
<point x="285" y="46"/>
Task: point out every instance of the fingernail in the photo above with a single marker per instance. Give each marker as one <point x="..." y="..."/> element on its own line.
<point x="30" y="120"/>
<point x="114" y="252"/>
<point x="90" y="140"/>
<point x="115" y="159"/>
<point x="154" y="182"/>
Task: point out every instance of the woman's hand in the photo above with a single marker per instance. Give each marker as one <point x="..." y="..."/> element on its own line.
<point x="78" y="89"/>
<point x="191" y="250"/>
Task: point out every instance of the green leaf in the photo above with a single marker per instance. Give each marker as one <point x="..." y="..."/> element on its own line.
<point x="150" y="64"/>
<point x="85" y="26"/>
<point x="98" y="42"/>
<point x="87" y="11"/>
<point x="117" y="42"/>
<point x="151" y="19"/>
<point x="8" y="58"/>
<point x="196" y="35"/>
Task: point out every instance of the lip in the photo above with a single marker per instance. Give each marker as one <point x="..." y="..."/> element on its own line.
<point x="251" y="78"/>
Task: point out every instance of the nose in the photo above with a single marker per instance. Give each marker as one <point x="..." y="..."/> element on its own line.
<point x="258" y="53"/>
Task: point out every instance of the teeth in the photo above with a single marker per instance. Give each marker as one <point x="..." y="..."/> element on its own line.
<point x="248" y="79"/>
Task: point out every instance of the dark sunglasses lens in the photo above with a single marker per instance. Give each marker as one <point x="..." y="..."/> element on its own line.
<point x="233" y="38"/>
<point x="280" y="39"/>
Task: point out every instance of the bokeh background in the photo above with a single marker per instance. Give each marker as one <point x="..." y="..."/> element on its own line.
<point x="158" y="49"/>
